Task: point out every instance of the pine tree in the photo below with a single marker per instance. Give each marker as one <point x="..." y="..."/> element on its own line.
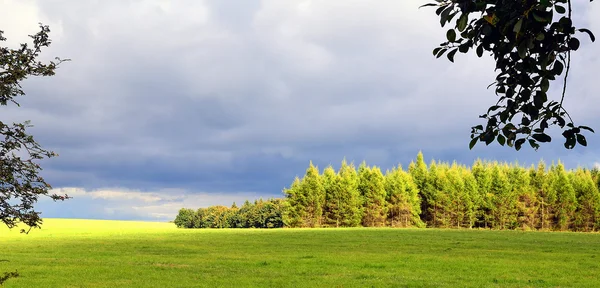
<point x="399" y="211"/>
<point x="418" y="172"/>
<point x="411" y="191"/>
<point x="294" y="209"/>
<point x="351" y="202"/>
<point x="546" y="195"/>
<point x="483" y="175"/>
<point x="431" y="193"/>
<point x="372" y="189"/>
<point x="404" y="203"/>
<point x="588" y="201"/>
<point x="460" y="198"/>
<point x="472" y="192"/>
<point x="522" y="188"/>
<point x="566" y="200"/>
<point x="503" y="202"/>
<point x="332" y="210"/>
<point x="443" y="202"/>
<point x="315" y="196"/>
<point x="596" y="176"/>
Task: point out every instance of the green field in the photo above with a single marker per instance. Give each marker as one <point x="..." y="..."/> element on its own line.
<point x="94" y="253"/>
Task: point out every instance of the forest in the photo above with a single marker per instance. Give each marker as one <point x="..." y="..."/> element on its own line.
<point x="488" y="195"/>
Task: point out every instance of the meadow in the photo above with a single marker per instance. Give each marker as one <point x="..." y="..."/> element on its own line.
<point x="100" y="253"/>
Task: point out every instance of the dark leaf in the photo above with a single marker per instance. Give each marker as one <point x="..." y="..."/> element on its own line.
<point x="540" y="37"/>
<point x="592" y="37"/>
<point x="545" y="85"/>
<point x="517" y="27"/>
<point x="472" y="143"/>
<point x="522" y="49"/>
<point x="441" y="52"/>
<point x="560" y="9"/>
<point x="538" y="17"/>
<point x="439" y="10"/>
<point x="479" y="51"/>
<point x="489" y="138"/>
<point x="541" y="137"/>
<point x="581" y="140"/>
<point x="558" y="67"/>
<point x="501" y="140"/>
<point x="428" y="4"/>
<point x="445" y="14"/>
<point x="451" y="35"/>
<point x="461" y="23"/>
<point x="533" y="144"/>
<point x="587" y="128"/>
<point x="504" y="116"/>
<point x="451" y="54"/>
<point x="519" y="143"/>
<point x="561" y="121"/>
<point x="574" y="44"/>
<point x="570" y="142"/>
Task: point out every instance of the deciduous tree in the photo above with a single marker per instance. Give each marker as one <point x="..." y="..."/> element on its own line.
<point x="20" y="182"/>
<point x="531" y="42"/>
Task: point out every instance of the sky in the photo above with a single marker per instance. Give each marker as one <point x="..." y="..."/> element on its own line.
<point x="171" y="104"/>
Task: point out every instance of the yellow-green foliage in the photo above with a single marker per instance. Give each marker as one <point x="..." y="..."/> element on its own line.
<point x="488" y="195"/>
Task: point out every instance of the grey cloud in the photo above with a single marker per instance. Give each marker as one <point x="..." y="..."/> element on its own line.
<point x="201" y="96"/>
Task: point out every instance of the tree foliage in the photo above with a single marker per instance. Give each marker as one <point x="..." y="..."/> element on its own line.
<point x="260" y="214"/>
<point x="531" y="42"/>
<point x="21" y="185"/>
<point x="488" y="195"/>
<point x="20" y="182"/>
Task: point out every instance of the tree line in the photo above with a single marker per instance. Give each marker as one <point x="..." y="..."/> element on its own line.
<point x="488" y="194"/>
<point x="260" y="214"/>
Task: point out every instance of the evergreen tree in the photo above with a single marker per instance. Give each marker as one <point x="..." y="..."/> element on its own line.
<point x="431" y="192"/>
<point x="418" y="172"/>
<point x="546" y="195"/>
<point x="483" y="175"/>
<point x="566" y="200"/>
<point x="314" y="194"/>
<point x="414" y="200"/>
<point x="596" y="176"/>
<point x="332" y="212"/>
<point x="490" y="194"/>
<point x="472" y="192"/>
<point x="443" y="198"/>
<point x="372" y="189"/>
<point x="588" y="201"/>
<point x="403" y="201"/>
<point x="294" y="209"/>
<point x="520" y="181"/>
<point x="503" y="201"/>
<point x="397" y="209"/>
<point x="350" y="204"/>
<point x="460" y="203"/>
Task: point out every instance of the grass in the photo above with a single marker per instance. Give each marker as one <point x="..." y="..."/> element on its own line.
<point x="98" y="253"/>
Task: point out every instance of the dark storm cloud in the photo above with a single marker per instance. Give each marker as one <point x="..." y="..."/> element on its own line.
<point x="218" y="98"/>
